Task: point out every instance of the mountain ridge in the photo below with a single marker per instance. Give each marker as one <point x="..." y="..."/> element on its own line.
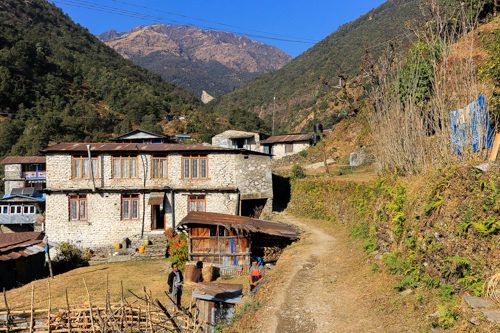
<point x="157" y="45"/>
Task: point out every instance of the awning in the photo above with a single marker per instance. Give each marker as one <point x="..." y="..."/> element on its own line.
<point x="156" y="199"/>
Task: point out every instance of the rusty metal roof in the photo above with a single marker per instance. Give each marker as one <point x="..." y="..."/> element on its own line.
<point x="288" y="138"/>
<point x="239" y="223"/>
<point x="150" y="148"/>
<point x="23" y="159"/>
<point x="20" y="244"/>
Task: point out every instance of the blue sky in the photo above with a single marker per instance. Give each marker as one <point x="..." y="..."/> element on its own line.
<point x="310" y="20"/>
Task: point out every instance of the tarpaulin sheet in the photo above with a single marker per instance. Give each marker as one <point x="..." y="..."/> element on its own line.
<point x="18" y="219"/>
<point x="471" y="126"/>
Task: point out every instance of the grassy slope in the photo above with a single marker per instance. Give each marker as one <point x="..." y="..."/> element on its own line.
<point x="342" y="51"/>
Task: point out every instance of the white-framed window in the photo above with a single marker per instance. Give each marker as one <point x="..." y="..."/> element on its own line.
<point x="78" y="207"/>
<point x="29" y="210"/>
<point x="195" y="167"/>
<point x="130" y="207"/>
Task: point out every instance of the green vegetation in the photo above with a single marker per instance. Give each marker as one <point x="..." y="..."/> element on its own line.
<point x="341" y="51"/>
<point x="448" y="249"/>
<point x="58" y="82"/>
<point x="247" y="121"/>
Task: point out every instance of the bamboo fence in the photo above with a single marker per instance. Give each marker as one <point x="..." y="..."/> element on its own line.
<point x="144" y="314"/>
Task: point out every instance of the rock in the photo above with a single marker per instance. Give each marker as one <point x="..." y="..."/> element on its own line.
<point x="433" y="330"/>
<point x="474" y="321"/>
<point x="406" y="292"/>
<point x="492" y="315"/>
<point x="374" y="253"/>
<point x="478" y="302"/>
<point x="435" y="314"/>
<point x="379" y="257"/>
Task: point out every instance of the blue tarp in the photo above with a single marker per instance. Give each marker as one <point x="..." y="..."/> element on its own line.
<point x="473" y="122"/>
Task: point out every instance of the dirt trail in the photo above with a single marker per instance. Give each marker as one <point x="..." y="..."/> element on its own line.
<point x="325" y="288"/>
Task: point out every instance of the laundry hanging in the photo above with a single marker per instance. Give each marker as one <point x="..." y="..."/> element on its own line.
<point x="471" y="127"/>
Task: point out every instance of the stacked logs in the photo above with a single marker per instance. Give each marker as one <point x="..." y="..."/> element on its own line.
<point x="272" y="253"/>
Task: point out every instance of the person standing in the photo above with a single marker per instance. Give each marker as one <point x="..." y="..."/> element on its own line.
<point x="175" y="282"/>
<point x="256" y="275"/>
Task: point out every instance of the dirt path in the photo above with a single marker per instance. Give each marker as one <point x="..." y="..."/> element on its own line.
<point x="320" y="285"/>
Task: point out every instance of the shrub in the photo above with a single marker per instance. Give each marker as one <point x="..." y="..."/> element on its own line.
<point x="303" y="153"/>
<point x="297" y="172"/>
<point x="177" y="247"/>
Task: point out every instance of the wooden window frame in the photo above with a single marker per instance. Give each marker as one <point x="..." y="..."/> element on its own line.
<point x="81" y="158"/>
<point x="120" y="158"/>
<point x="191" y="158"/>
<point x="79" y="198"/>
<point x="288" y="148"/>
<point x="130" y="198"/>
<point x="159" y="172"/>
<point x="196" y="199"/>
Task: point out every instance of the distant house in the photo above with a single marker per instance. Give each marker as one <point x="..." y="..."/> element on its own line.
<point x="132" y="190"/>
<point x="284" y="145"/>
<point x="141" y="136"/>
<point x="22" y="205"/>
<point x="239" y="140"/>
<point x="22" y="258"/>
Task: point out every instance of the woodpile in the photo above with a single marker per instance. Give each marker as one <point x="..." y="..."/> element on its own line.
<point x="141" y="315"/>
<point x="272" y="253"/>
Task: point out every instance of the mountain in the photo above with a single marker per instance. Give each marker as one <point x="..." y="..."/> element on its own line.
<point x="58" y="82"/>
<point x="215" y="61"/>
<point x="301" y="99"/>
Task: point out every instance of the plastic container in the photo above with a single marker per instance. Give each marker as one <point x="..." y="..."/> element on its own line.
<point x="118" y="246"/>
<point x="141" y="249"/>
<point x="146" y="242"/>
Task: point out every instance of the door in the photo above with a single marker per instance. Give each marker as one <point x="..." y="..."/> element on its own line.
<point x="158" y="217"/>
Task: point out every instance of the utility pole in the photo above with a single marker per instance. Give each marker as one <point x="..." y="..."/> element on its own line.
<point x="274" y="109"/>
<point x="144" y="167"/>
<point x="367" y="46"/>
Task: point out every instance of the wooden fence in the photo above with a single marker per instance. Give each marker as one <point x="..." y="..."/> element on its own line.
<point x="144" y="314"/>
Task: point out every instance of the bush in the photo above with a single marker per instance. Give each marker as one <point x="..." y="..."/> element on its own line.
<point x="297" y="172"/>
<point x="303" y="153"/>
<point x="177" y="248"/>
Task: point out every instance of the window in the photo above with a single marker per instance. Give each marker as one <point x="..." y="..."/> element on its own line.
<point x="81" y="167"/>
<point x="29" y="210"/>
<point x="196" y="203"/>
<point x="4" y="210"/>
<point x="125" y="167"/>
<point x="289" y="148"/>
<point x="78" y="207"/>
<point x="195" y="167"/>
<point x="159" y="166"/>
<point x="16" y="210"/>
<point x="130" y="206"/>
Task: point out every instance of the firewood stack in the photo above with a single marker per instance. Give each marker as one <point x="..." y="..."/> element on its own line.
<point x="272" y="253"/>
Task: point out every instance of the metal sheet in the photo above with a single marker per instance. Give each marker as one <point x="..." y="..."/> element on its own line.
<point x="288" y="138"/>
<point x="24" y="160"/>
<point x="156" y="199"/>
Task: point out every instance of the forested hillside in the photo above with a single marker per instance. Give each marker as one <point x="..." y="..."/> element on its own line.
<point x="60" y="83"/>
<point x="297" y="85"/>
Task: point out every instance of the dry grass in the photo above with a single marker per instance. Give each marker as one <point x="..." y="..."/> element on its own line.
<point x="490" y="288"/>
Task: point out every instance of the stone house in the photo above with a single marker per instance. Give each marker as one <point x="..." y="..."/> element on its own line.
<point x="133" y="190"/>
<point x="22" y="206"/>
<point x="285" y="145"/>
<point x="239" y="139"/>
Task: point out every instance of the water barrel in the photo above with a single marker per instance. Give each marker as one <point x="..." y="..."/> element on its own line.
<point x="318" y="128"/>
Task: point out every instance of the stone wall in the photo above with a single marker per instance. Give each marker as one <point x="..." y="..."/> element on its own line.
<point x="287" y="160"/>
<point x="104" y="226"/>
<point x="224" y="140"/>
<point x="279" y="149"/>
<point x="12" y="171"/>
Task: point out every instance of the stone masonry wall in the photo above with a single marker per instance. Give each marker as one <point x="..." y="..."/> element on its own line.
<point x="104" y="226"/>
<point x="253" y="144"/>
<point x="279" y="148"/>
<point x="12" y="171"/>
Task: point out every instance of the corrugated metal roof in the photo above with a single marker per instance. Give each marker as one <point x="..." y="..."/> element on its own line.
<point x="23" y="159"/>
<point x="147" y="135"/>
<point x="132" y="147"/>
<point x="239" y="223"/>
<point x="218" y="292"/>
<point x="156" y="199"/>
<point x="288" y="138"/>
<point x="21" y="244"/>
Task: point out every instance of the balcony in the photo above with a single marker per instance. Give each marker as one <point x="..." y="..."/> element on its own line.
<point x="34" y="174"/>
